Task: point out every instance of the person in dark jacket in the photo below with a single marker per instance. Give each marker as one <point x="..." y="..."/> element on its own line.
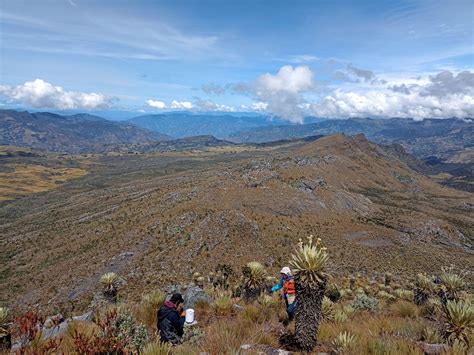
<point x="171" y="319"/>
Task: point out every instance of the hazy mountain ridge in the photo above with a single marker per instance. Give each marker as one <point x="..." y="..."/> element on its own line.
<point x="76" y="133"/>
<point x="181" y="125"/>
<point x="395" y="130"/>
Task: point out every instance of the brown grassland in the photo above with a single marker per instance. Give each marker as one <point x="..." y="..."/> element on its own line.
<point x="155" y="219"/>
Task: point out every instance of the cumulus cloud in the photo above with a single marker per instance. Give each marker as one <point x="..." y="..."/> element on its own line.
<point x="181" y="105"/>
<point x="175" y="105"/>
<point x="290" y="94"/>
<point x="156" y="104"/>
<point x="288" y="80"/>
<point x="385" y="104"/>
<point x="282" y="93"/>
<point x="41" y="94"/>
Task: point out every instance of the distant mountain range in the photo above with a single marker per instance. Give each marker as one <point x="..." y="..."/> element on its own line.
<point x="181" y="125"/>
<point x="74" y="134"/>
<point x="437" y="141"/>
<point x="451" y="140"/>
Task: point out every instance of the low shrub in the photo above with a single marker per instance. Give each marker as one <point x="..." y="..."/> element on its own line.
<point x="364" y="302"/>
<point x="405" y="309"/>
<point x="452" y="283"/>
<point x="328" y="309"/>
<point x="387" y="297"/>
<point x="459" y="321"/>
<point x="431" y="308"/>
<point x="117" y="332"/>
<point x="403" y="294"/>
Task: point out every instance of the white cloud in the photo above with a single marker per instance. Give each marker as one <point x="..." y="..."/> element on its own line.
<point x="41" y="94"/>
<point x="182" y="105"/>
<point x="121" y="36"/>
<point x="381" y="104"/>
<point x="288" y="79"/>
<point x="282" y="93"/>
<point x="156" y="104"/>
<point x="292" y="94"/>
<point x="256" y="106"/>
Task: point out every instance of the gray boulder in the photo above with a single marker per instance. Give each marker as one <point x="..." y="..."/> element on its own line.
<point x="192" y="294"/>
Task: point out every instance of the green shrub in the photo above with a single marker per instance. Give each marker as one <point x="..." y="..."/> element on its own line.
<point x="431" y="308"/>
<point x="452" y="283"/>
<point x="459" y="321"/>
<point x="424" y="287"/>
<point x="403" y="294"/>
<point x="364" y="302"/>
<point x="4" y="320"/>
<point x="387" y="297"/>
<point x="133" y="334"/>
<point x="327" y="309"/>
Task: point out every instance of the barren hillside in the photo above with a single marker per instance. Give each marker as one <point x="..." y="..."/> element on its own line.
<point x="154" y="218"/>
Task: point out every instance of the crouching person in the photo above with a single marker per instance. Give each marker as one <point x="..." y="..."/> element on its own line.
<point x="287" y="283"/>
<point x="171" y="318"/>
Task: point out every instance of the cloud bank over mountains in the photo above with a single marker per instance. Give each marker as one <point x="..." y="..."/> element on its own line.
<point x="292" y="93"/>
<point x="443" y="95"/>
<point x="295" y="92"/>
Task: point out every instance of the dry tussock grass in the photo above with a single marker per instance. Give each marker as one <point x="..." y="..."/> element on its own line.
<point x="27" y="179"/>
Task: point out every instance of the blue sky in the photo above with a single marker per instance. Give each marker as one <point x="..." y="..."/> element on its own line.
<point x="285" y="58"/>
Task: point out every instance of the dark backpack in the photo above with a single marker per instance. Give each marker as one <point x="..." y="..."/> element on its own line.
<point x="168" y="332"/>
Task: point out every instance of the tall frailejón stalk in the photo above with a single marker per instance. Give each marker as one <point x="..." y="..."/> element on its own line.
<point x="309" y="262"/>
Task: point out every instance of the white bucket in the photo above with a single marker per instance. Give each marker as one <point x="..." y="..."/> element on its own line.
<point x="190" y="315"/>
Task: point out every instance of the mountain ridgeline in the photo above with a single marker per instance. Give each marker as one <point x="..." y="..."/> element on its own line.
<point x="181" y="125"/>
<point x="450" y="139"/>
<point x="73" y="134"/>
<point x="444" y="148"/>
